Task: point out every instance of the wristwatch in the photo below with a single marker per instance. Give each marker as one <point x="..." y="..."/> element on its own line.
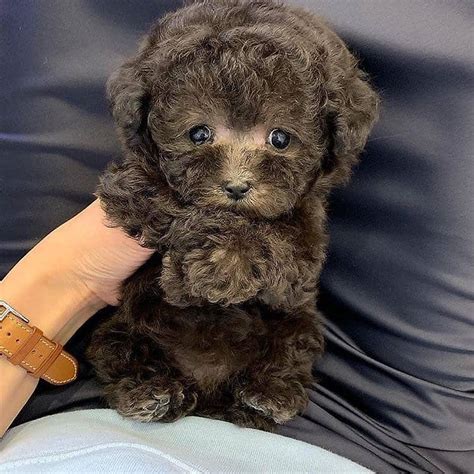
<point x="26" y="346"/>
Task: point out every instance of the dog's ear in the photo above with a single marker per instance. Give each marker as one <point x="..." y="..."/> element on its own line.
<point x="352" y="109"/>
<point x="348" y="101"/>
<point x="129" y="104"/>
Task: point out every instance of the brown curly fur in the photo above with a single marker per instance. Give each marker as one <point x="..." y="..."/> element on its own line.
<point x="221" y="322"/>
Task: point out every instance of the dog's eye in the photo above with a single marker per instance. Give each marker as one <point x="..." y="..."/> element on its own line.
<point x="279" y="138"/>
<point x="200" y="134"/>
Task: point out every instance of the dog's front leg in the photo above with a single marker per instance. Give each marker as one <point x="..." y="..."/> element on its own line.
<point x="220" y="259"/>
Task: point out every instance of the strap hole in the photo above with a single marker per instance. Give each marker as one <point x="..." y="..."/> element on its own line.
<point x="9" y="333"/>
<point x="18" y="340"/>
<point x="41" y="355"/>
<point x="33" y="351"/>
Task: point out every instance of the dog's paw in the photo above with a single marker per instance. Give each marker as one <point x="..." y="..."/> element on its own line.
<point x="278" y="402"/>
<point x="223" y="275"/>
<point x="154" y="402"/>
<point x="146" y="410"/>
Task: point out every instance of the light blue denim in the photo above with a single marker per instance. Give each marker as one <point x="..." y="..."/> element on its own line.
<point x="91" y="441"/>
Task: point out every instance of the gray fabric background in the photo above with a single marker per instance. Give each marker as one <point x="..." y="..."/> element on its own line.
<point x="396" y="385"/>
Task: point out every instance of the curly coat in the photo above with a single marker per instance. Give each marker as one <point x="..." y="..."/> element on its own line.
<point x="221" y="322"/>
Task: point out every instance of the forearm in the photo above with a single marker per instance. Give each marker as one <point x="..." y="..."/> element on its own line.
<point x="65" y="279"/>
<point x="53" y="302"/>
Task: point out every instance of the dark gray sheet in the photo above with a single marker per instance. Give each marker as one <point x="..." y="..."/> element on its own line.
<point x="396" y="384"/>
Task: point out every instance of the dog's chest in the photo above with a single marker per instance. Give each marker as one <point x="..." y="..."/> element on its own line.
<point x="211" y="345"/>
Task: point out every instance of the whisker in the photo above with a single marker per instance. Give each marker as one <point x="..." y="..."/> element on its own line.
<point x="387" y="137"/>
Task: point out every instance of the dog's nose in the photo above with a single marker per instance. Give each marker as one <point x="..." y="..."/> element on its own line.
<point x="236" y="190"/>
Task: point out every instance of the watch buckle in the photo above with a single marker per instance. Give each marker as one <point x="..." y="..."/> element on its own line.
<point x="6" y="309"/>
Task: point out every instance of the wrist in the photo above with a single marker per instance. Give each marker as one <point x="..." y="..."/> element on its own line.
<point x="57" y="309"/>
<point x="53" y="301"/>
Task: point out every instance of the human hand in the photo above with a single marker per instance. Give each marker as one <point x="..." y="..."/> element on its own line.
<point x="102" y="256"/>
<point x="73" y="272"/>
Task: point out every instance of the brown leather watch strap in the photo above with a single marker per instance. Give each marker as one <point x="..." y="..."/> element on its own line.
<point x="26" y="346"/>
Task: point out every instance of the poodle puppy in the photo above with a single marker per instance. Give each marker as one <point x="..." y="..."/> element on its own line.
<point x="236" y="119"/>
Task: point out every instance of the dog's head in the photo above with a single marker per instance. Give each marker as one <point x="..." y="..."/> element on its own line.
<point x="245" y="105"/>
